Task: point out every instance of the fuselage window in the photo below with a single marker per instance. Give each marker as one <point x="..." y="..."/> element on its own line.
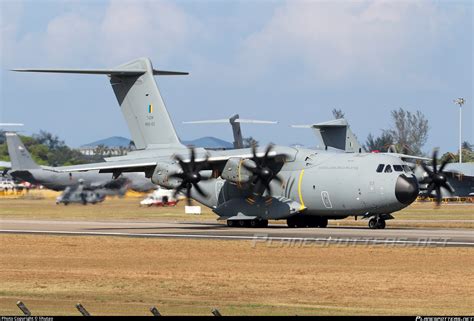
<point x="380" y="168"/>
<point x="398" y="168"/>
<point x="388" y="169"/>
<point x="407" y="168"/>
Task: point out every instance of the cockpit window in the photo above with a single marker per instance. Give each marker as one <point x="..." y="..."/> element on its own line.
<point x="380" y="168"/>
<point x="407" y="168"/>
<point x="398" y="168"/>
<point x="388" y="169"/>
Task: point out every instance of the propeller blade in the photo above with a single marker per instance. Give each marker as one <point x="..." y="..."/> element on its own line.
<point x="268" y="150"/>
<point x="448" y="187"/>
<point x="188" y="195"/>
<point x="250" y="168"/>
<point x="443" y="165"/>
<point x="435" y="161"/>
<point x="200" y="191"/>
<point x="178" y="189"/>
<point x="431" y="186"/>
<point x="177" y="175"/>
<point x="427" y="169"/>
<point x="438" y="195"/>
<point x="193" y="159"/>
<point x="268" y="188"/>
<point x="278" y="179"/>
<point x="201" y="165"/>
<point x="181" y="162"/>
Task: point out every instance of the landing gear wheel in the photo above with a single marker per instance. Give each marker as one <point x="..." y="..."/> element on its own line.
<point x="254" y="223"/>
<point x="242" y="223"/>
<point x="263" y="223"/>
<point x="380" y="224"/>
<point x="323" y="222"/>
<point x="313" y="221"/>
<point x="230" y="223"/>
<point x="373" y="223"/>
<point x="291" y="222"/>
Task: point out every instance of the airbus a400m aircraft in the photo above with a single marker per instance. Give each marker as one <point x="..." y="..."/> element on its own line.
<point x="248" y="187"/>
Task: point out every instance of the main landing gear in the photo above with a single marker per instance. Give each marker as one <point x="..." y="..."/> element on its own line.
<point x="377" y="223"/>
<point x="247" y="223"/>
<point x="307" y="221"/>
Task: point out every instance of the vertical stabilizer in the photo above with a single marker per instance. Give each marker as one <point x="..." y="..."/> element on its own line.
<point x="19" y="156"/>
<point x="139" y="99"/>
<point x="143" y="107"/>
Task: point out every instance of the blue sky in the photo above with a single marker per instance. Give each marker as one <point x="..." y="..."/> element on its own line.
<point x="287" y="61"/>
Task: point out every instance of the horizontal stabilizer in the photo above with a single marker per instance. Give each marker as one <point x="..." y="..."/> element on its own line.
<point x="115" y="72"/>
<point x="253" y="121"/>
<point x="10" y="125"/>
<point x="227" y="121"/>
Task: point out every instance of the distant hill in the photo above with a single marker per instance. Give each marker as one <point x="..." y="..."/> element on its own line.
<point x="115" y="141"/>
<point x="208" y="142"/>
<point x="204" y="142"/>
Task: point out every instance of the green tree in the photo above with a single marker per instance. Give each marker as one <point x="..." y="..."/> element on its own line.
<point x="409" y="131"/>
<point x="337" y="113"/>
<point x="381" y="143"/>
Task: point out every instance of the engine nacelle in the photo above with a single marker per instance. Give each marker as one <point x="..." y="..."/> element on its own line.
<point x="235" y="172"/>
<point x="162" y="172"/>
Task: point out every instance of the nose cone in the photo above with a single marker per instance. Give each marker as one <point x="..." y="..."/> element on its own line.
<point x="406" y="189"/>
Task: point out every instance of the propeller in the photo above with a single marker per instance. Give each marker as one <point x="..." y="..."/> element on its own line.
<point x="190" y="176"/>
<point x="437" y="178"/>
<point x="262" y="172"/>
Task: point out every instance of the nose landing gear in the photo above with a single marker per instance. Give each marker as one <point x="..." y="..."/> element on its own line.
<point x="378" y="221"/>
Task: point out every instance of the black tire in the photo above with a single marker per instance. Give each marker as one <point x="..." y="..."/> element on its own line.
<point x="264" y="223"/>
<point x="372" y="223"/>
<point x="302" y="221"/>
<point x="254" y="223"/>
<point x="380" y="224"/>
<point x="291" y="222"/>
<point x="312" y="221"/>
<point x="242" y="223"/>
<point x="323" y="222"/>
<point x="230" y="223"/>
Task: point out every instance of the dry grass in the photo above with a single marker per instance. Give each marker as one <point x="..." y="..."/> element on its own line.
<point x="128" y="275"/>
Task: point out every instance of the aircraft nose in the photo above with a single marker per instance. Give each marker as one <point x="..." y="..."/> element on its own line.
<point x="406" y="189"/>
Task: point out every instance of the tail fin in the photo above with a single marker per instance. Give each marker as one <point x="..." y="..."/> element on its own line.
<point x="140" y="101"/>
<point x="19" y="156"/>
<point x="235" y="122"/>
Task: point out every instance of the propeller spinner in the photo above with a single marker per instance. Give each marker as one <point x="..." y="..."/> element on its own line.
<point x="262" y="172"/>
<point x="190" y="176"/>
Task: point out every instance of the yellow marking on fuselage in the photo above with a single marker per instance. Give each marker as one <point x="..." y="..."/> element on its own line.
<point x="300" y="194"/>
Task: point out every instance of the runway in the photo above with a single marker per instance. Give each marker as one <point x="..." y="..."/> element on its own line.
<point x="275" y="234"/>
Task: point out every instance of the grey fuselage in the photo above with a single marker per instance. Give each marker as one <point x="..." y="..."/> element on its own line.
<point x="59" y="181"/>
<point x="329" y="184"/>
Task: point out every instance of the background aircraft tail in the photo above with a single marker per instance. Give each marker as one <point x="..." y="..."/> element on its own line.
<point x="20" y="158"/>
<point x="140" y="101"/>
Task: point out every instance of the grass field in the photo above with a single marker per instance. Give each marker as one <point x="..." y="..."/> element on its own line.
<point x="128" y="275"/>
<point x="453" y="215"/>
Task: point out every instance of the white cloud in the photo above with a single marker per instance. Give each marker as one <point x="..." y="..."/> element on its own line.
<point x="123" y="31"/>
<point x="340" y="39"/>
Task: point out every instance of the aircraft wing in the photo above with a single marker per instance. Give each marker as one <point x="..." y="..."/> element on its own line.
<point x="111" y="166"/>
<point x="132" y="164"/>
